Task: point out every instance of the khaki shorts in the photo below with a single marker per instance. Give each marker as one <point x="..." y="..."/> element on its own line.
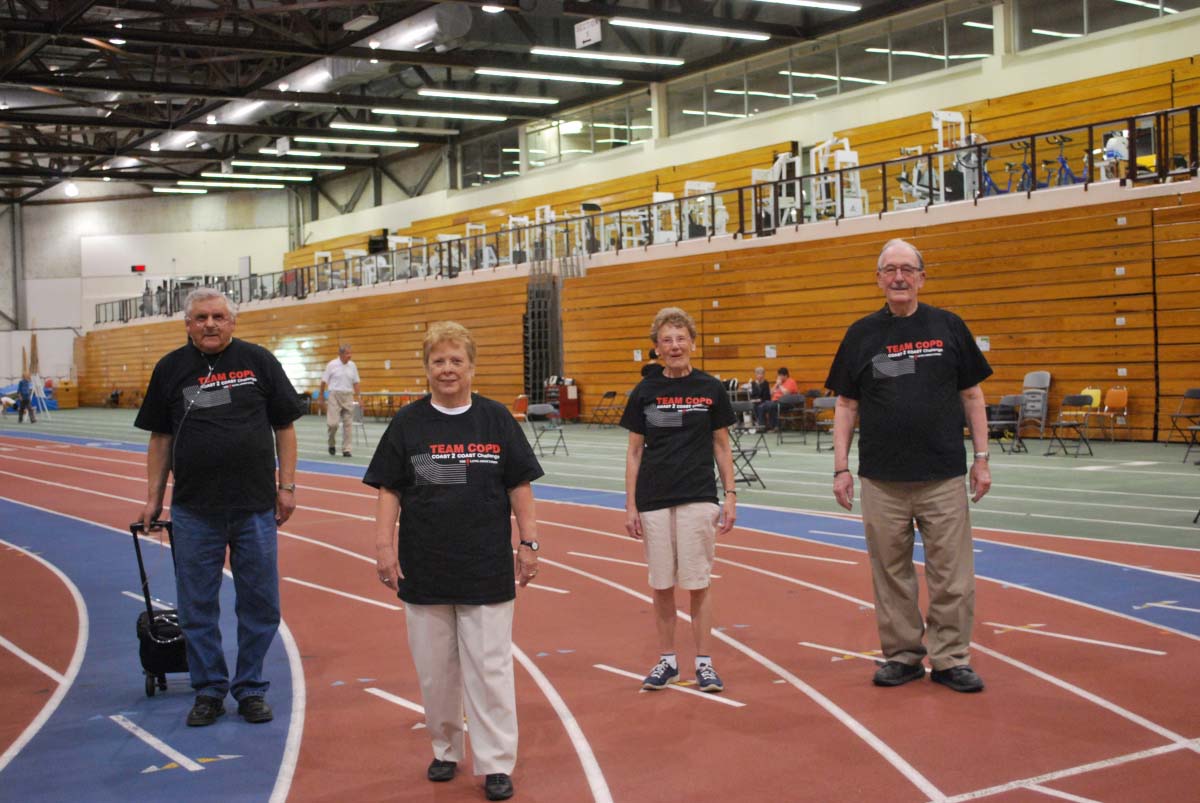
<point x="680" y="544"/>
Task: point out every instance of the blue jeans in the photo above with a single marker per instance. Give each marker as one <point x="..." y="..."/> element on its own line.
<point x="200" y="544"/>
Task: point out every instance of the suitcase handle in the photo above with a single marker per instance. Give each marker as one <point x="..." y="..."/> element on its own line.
<point x="134" y="529"/>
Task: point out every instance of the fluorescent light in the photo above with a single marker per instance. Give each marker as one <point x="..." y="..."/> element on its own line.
<point x="1151" y="5"/>
<point x="701" y="113"/>
<point x="987" y="26"/>
<point x="454" y="93"/>
<point x="828" y="77"/>
<point x="116" y="41"/>
<point x="254" y="177"/>
<point x="626" y="22"/>
<point x="761" y="94"/>
<point x="491" y="9"/>
<point x="211" y="119"/>
<point x="548" y="76"/>
<point x="71" y="189"/>
<point x="344" y="126"/>
<point x="600" y="56"/>
<point x="241" y="185"/>
<point x="498" y="118"/>
<point x="622" y="125"/>
<point x="922" y="54"/>
<point x="287" y="165"/>
<point x="382" y="143"/>
<point x="292" y="152"/>
<point x="816" y="4"/>
<point x="180" y="190"/>
<point x="510" y="150"/>
<point x="1059" y="34"/>
<point x="154" y="146"/>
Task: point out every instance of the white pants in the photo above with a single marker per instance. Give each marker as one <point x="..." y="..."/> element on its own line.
<point x="463" y="653"/>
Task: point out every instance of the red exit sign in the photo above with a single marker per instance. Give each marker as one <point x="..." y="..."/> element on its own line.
<point x="137" y="268"/>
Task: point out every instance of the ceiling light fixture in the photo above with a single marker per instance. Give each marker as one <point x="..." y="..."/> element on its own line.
<point x="154" y="146"/>
<point x="985" y="26"/>
<point x="287" y="165"/>
<point x="254" y="177"/>
<point x="379" y="143"/>
<point x="292" y="152"/>
<point x="548" y="76"/>
<point x="824" y="6"/>
<point x="212" y="119"/>
<point x="1150" y="5"/>
<point x="239" y="185"/>
<point x="1058" y="34"/>
<point x="599" y="56"/>
<point x="283" y="86"/>
<point x="491" y="9"/>
<point x="701" y="113"/>
<point x="180" y="190"/>
<point x="71" y="189"/>
<point x="828" y="77"/>
<point x="380" y="129"/>
<point x="762" y="94"/>
<point x="731" y="33"/>
<point x="497" y="118"/>
<point x="116" y="41"/>
<point x="454" y="93"/>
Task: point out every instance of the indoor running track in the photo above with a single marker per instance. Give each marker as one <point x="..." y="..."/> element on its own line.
<point x="1088" y="650"/>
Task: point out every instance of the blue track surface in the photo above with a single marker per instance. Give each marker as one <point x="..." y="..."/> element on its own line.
<point x="80" y="753"/>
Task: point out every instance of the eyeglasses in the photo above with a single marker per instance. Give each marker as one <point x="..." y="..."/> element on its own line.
<point x="907" y="271"/>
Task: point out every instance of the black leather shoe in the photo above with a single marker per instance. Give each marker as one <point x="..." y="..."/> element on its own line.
<point x="255" y="709"/>
<point x="205" y="711"/>
<point x="441" y="770"/>
<point x="960" y="678"/>
<point x="498" y="786"/>
<point x="332" y="450"/>
<point x="895" y="673"/>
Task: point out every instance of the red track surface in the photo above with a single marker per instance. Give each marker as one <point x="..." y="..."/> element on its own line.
<point x="809" y="717"/>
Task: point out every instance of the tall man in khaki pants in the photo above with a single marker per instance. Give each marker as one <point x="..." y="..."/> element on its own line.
<point x="910" y="373"/>
<point x="341" y="376"/>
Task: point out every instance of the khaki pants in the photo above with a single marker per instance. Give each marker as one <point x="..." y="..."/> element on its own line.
<point x="339" y="407"/>
<point x="939" y="509"/>
<point x="464" y="653"/>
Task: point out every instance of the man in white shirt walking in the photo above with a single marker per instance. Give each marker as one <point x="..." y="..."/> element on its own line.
<point x="341" y="377"/>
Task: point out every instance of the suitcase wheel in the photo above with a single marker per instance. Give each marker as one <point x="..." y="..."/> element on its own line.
<point x="150" y="684"/>
<point x="162" y="682"/>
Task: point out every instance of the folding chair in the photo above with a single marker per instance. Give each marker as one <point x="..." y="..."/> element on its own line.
<point x="740" y="428"/>
<point x="605" y="413"/>
<point x="520" y="406"/>
<point x="823" y="419"/>
<point x="1002" y="421"/>
<point x="1035" y="395"/>
<point x="743" y="466"/>
<point x="1115" y="410"/>
<point x="1071" y="417"/>
<point x="793" y="416"/>
<point x="1193" y="434"/>
<point x="544" y="420"/>
<point x="358" y="424"/>
<point x="1187" y="415"/>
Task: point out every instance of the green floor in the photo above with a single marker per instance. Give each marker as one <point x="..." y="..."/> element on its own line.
<point x="1136" y="492"/>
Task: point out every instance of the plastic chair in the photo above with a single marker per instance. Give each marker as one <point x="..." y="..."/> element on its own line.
<point x="1115" y="410"/>
<point x="1188" y="413"/>
<point x="1072" y="416"/>
<point x="520" y="406"/>
<point x="1035" y="394"/>
<point x="545" y="422"/>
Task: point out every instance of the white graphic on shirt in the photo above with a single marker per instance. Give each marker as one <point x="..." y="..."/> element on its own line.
<point x="208" y="396"/>
<point x="430" y="471"/>
<point x="663" y="419"/>
<point x="886" y="367"/>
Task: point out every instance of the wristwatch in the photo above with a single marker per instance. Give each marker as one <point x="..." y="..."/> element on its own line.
<point x="287" y="486"/>
<point x="982" y="456"/>
<point x="531" y="544"/>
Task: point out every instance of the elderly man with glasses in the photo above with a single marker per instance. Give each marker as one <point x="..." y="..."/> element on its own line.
<point x="910" y="374"/>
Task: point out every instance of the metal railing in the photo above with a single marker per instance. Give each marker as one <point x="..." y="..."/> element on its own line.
<point x="1163" y="147"/>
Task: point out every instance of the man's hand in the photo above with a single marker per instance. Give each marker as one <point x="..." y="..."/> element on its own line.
<point x="150" y="514"/>
<point x="981" y="479"/>
<point x="285" y="505"/>
<point x="526" y="566"/>
<point x="727" y="514"/>
<point x="843" y="489"/>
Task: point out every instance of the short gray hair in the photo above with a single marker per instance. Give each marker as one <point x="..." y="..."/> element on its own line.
<point x="205" y="294"/>
<point x="343" y="348"/>
<point x="906" y="244"/>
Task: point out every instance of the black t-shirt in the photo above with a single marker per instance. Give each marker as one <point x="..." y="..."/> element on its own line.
<point x="222" y="410"/>
<point x="760" y="391"/>
<point x="906" y="374"/>
<point x="677" y="418"/>
<point x="453" y="474"/>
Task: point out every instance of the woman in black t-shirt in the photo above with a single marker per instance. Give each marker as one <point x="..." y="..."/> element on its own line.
<point x="678" y="422"/>
<point x="453" y="467"/>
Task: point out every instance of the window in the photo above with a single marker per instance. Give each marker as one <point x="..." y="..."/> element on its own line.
<point x="768" y="85"/>
<point x="490" y="159"/>
<point x="814" y="71"/>
<point x="919" y="49"/>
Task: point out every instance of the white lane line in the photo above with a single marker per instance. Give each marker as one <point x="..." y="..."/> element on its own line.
<point x="607" y="559"/>
<point x="788" y="554"/>
<point x="157" y="743"/>
<point x="874" y="742"/>
<point x="1094" y="699"/>
<point x="1045" y="790"/>
<point x="345" y="594"/>
<point x="548" y="588"/>
<point x="159" y="605"/>
<point x="1094" y="468"/>
<point x="712" y="698"/>
<point x="1036" y="632"/>
<point x="1109" y="522"/>
<point x="1169" y="605"/>
<point x="44" y="668"/>
<point x="1069" y="772"/>
<point x="866" y="656"/>
<point x="396" y="699"/>
<point x="587" y="758"/>
<point x="838" y="535"/>
<point x="324" y="490"/>
<point x="335" y="513"/>
<point x="76" y="489"/>
<point x="820" y="589"/>
<point x="315" y="542"/>
<point x="291" y="747"/>
<point x="1075" y="556"/>
<point x="81" y="640"/>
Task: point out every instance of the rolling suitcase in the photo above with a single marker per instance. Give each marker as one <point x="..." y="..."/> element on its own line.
<point x="160" y="641"/>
